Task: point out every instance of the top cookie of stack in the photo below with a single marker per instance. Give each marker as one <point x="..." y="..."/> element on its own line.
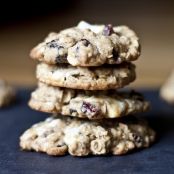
<point x="89" y="45"/>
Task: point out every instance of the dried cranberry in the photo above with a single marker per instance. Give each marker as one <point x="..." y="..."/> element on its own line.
<point x="89" y="109"/>
<point x="72" y="111"/>
<point x="52" y="44"/>
<point x="77" y="49"/>
<point x="116" y="57"/>
<point x="108" y="30"/>
<point x="77" y="75"/>
<point x="137" y="138"/>
<point x="85" y="42"/>
<point x="61" y="59"/>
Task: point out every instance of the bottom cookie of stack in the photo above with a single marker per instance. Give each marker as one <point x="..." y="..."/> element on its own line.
<point x="81" y="137"/>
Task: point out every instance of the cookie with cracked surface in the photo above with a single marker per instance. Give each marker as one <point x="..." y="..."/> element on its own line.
<point x="87" y="104"/>
<point x="93" y="78"/>
<point x="7" y="93"/>
<point x="78" y="137"/>
<point x="89" y="45"/>
<point x="167" y="90"/>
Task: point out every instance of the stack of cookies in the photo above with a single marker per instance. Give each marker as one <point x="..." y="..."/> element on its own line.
<point x="80" y="73"/>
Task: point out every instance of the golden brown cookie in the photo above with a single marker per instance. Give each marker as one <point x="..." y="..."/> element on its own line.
<point x="93" y="78"/>
<point x="89" y="45"/>
<point x="57" y="136"/>
<point x="87" y="104"/>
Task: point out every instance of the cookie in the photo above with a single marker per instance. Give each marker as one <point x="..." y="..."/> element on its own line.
<point x="93" y="78"/>
<point x="89" y="45"/>
<point x="167" y="90"/>
<point x="78" y="137"/>
<point x="7" y="93"/>
<point x="86" y="104"/>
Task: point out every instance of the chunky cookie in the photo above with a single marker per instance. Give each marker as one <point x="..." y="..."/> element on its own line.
<point x="78" y="137"/>
<point x="167" y="90"/>
<point x="89" y="45"/>
<point x="87" y="104"/>
<point x="93" y="78"/>
<point x="7" y="94"/>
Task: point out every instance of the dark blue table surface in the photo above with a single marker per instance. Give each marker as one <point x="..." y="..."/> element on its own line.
<point x="158" y="159"/>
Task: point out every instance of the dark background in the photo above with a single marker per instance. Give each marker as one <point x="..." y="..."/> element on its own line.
<point x="24" y="24"/>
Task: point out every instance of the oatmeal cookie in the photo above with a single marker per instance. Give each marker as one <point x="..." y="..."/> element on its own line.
<point x="89" y="45"/>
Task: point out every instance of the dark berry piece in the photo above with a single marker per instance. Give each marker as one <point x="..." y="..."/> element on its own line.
<point x="52" y="44"/>
<point x="61" y="59"/>
<point x="85" y="42"/>
<point x="116" y="57"/>
<point x="77" y="75"/>
<point x="115" y="53"/>
<point x="72" y="111"/>
<point x="137" y="138"/>
<point x="89" y="109"/>
<point x="47" y="133"/>
<point x="60" y="144"/>
<point x="108" y="30"/>
<point x="77" y="49"/>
